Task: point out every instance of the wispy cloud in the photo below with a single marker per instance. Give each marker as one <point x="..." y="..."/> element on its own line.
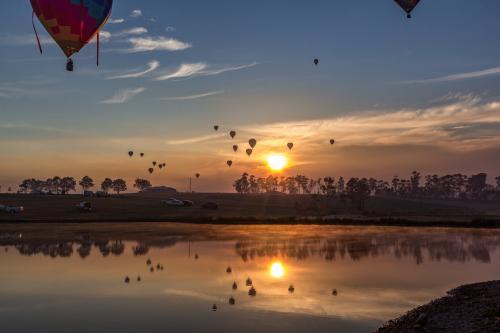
<point x="191" y="97"/>
<point x="146" y="44"/>
<point x="123" y="96"/>
<point x="169" y="29"/>
<point x="152" y="66"/>
<point x="199" y="69"/>
<point x="131" y="31"/>
<point x="136" y="13"/>
<point x="195" y="139"/>
<point x="460" y="76"/>
<point x="116" y="21"/>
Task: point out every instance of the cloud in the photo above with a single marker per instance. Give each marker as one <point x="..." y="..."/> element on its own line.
<point x="123" y="96"/>
<point x="25" y="39"/>
<point x="465" y="124"/>
<point x="459" y="76"/>
<point x="195" y="139"/>
<point x="152" y="66"/>
<point x="131" y="31"/>
<point x="170" y="29"/>
<point x="136" y="13"/>
<point x="116" y="21"/>
<point x="191" y="97"/>
<point x="199" y="69"/>
<point x="146" y="44"/>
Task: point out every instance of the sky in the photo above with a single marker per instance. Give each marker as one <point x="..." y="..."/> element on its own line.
<point x="397" y="95"/>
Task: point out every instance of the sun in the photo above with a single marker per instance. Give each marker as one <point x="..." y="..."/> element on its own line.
<point x="277" y="270"/>
<point x="277" y="162"/>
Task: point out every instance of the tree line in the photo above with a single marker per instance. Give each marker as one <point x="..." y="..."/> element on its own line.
<point x="456" y="186"/>
<point x="64" y="185"/>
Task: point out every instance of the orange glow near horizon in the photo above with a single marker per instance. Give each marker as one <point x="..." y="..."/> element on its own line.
<point x="277" y="162"/>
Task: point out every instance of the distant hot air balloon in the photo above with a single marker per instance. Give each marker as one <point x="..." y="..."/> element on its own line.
<point x="216" y="127"/>
<point x="407" y="5"/>
<point x="249" y="151"/>
<point x="229" y="163"/>
<point x="130" y="153"/>
<point x="142" y="154"/>
<point x="289" y="145"/>
<point x="71" y="23"/>
<point x="316" y="61"/>
<point x="232" y="134"/>
<point x="151" y="170"/>
<point x="197" y="175"/>
<point x="332" y="141"/>
<point x="160" y="166"/>
<point x="235" y="148"/>
<point x="154" y="163"/>
<point x="164" y="164"/>
<point x="252" y="143"/>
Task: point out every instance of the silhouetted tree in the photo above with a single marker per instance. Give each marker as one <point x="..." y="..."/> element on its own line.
<point x="242" y="185"/>
<point x="142" y="184"/>
<point x="86" y="183"/>
<point x="119" y="185"/>
<point x="106" y="185"/>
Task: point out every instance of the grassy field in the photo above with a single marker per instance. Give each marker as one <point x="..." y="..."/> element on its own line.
<point x="257" y="208"/>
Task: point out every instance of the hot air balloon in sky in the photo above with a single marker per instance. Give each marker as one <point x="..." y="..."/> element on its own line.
<point x="142" y="154"/>
<point x="289" y="145"/>
<point x="332" y="141"/>
<point x="216" y="127"/>
<point x="71" y="23"/>
<point x="316" y="61"/>
<point x="407" y="6"/>
<point x="252" y="143"/>
<point x="235" y="148"/>
<point x="197" y="175"/>
<point x="229" y="163"/>
<point x="249" y="151"/>
<point x="154" y="163"/>
<point x="130" y="153"/>
<point x="232" y="134"/>
<point x="151" y="170"/>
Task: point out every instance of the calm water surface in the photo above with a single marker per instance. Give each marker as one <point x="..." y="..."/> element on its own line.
<point x="75" y="282"/>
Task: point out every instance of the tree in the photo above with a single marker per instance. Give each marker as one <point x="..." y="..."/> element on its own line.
<point x="242" y="184"/>
<point x="328" y="186"/>
<point x="415" y="182"/>
<point x="67" y="184"/>
<point x="119" y="185"/>
<point x="358" y="190"/>
<point x="476" y="184"/>
<point x="498" y="183"/>
<point x="142" y="184"/>
<point x="86" y="183"/>
<point x="106" y="185"/>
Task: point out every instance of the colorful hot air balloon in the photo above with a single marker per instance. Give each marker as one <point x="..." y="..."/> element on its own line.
<point x="232" y="134"/>
<point x="289" y="145"/>
<point x="252" y="143"/>
<point x="235" y="148"/>
<point x="229" y="163"/>
<point x="407" y="6"/>
<point x="130" y="153"/>
<point x="249" y="151"/>
<point x="72" y="23"/>
<point x="332" y="141"/>
<point x="216" y="127"/>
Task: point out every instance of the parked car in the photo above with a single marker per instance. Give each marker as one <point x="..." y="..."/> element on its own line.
<point x="210" y="205"/>
<point x="173" y="202"/>
<point x="84" y="206"/>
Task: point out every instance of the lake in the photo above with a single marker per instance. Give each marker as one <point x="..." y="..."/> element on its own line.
<point x="345" y="279"/>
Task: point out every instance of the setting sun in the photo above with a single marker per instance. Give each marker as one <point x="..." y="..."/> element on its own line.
<point x="277" y="162"/>
<point x="277" y="269"/>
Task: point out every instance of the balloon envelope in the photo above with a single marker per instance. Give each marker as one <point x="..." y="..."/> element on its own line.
<point x="216" y="127"/>
<point x="249" y="151"/>
<point x="235" y="148"/>
<point x="72" y="23"/>
<point x="150" y="170"/>
<point x="332" y="141"/>
<point x="316" y="62"/>
<point x="197" y="175"/>
<point x="130" y="153"/>
<point x="142" y="154"/>
<point x="229" y="163"/>
<point x="252" y="143"/>
<point x="407" y="5"/>
<point x="290" y="145"/>
<point x="232" y="134"/>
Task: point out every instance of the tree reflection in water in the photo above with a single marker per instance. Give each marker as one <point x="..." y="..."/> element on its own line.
<point x="452" y="245"/>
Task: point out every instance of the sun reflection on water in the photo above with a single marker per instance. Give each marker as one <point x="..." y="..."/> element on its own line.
<point x="277" y="269"/>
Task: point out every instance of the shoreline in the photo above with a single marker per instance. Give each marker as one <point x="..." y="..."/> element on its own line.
<point x="377" y="222"/>
<point x="468" y="308"/>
